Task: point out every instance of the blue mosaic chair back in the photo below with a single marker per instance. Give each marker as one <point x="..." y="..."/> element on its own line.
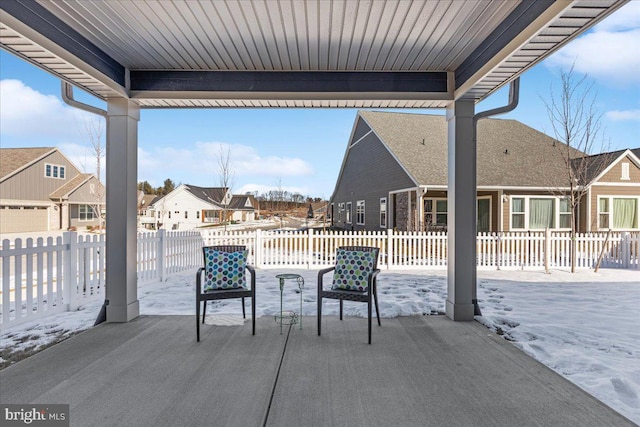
<point x="353" y="268"/>
<point x="224" y="270"/>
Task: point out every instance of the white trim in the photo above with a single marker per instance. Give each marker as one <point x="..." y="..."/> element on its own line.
<point x="348" y="213"/>
<point x="617" y="184"/>
<point x="556" y="211"/>
<point x="358" y="202"/>
<point x="361" y="138"/>
<point x="386" y="212"/>
<point x="610" y="213"/>
<point x="404" y="190"/>
<point x="625" y="171"/>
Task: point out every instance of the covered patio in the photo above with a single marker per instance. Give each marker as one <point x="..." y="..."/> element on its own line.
<point x="302" y="54"/>
<point x="444" y="54"/>
<point x="420" y="371"/>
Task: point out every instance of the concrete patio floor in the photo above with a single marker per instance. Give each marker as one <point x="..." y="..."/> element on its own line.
<point x="419" y="371"/>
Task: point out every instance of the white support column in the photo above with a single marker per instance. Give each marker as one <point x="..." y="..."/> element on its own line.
<point x="122" y="171"/>
<point x="461" y="253"/>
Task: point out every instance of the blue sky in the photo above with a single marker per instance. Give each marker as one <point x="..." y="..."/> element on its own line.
<point x="301" y="150"/>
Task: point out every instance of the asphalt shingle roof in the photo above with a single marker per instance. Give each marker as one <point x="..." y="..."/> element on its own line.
<point x="13" y="159"/>
<point x="509" y="153"/>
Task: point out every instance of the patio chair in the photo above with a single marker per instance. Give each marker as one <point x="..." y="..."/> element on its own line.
<point x="224" y="278"/>
<point x="354" y="279"/>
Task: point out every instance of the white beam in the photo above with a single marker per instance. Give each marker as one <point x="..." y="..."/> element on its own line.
<point x="461" y="226"/>
<point x="122" y="175"/>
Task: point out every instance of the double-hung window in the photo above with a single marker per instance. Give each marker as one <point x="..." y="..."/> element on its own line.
<point x="383" y="212"/>
<point x="360" y="212"/>
<point x="348" y="213"/>
<point x="618" y="213"/>
<point x="538" y="213"/>
<point x="85" y="213"/>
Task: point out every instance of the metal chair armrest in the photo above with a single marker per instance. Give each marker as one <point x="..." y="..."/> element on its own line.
<point x="199" y="281"/>
<point x="321" y="273"/>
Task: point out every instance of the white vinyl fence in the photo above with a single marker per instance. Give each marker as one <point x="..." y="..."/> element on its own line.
<point x="50" y="275"/>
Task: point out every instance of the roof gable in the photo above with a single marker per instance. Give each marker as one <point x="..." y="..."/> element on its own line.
<point x="13" y="160"/>
<point x="509" y="152"/>
<point x="70" y="186"/>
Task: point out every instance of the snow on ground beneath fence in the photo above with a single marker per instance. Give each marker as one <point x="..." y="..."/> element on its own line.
<point x="585" y="326"/>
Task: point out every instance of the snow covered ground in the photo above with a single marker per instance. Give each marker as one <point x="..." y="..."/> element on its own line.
<point x="585" y="326"/>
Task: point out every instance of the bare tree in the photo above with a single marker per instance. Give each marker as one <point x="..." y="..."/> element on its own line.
<point x="94" y="129"/>
<point x="226" y="176"/>
<point x="576" y="123"/>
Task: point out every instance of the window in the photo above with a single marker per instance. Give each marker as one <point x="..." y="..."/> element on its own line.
<point x="383" y="212"/>
<point x="198" y="214"/>
<point x="186" y="215"/>
<point x="54" y="171"/>
<point x="348" y="213"/>
<point x="360" y="212"/>
<point x="625" y="171"/>
<point x="483" y="223"/>
<point x="565" y="213"/>
<point x="85" y="213"/>
<point x="619" y="213"/>
<point x="340" y="210"/>
<point x="435" y="213"/>
<point x="536" y="213"/>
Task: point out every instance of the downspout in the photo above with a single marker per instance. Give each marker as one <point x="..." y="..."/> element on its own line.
<point x="66" y="91"/>
<point x="514" y="95"/>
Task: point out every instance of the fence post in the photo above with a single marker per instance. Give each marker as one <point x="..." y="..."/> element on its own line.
<point x="257" y="250"/>
<point x="309" y="247"/>
<point x="161" y="253"/>
<point x="547" y="248"/>
<point x="389" y="247"/>
<point x="626" y="250"/>
<point x="70" y="277"/>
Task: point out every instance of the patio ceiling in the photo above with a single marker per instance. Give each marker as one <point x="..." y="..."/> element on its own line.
<point x="292" y="53"/>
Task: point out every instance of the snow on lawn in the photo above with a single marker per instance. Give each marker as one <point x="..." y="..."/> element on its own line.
<point x="585" y="326"/>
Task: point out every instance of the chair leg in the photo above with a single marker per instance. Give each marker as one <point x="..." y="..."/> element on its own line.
<point x="375" y="298"/>
<point x="253" y="315"/>
<point x="319" y="315"/>
<point x="197" y="320"/>
<point x="244" y="316"/>
<point x="369" y="317"/>
<point x="204" y="310"/>
<point x="340" y="309"/>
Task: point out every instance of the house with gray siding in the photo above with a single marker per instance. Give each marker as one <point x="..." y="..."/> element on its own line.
<point x="42" y="190"/>
<point x="394" y="175"/>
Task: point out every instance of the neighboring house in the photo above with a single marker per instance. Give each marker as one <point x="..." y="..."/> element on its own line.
<point x="394" y="175"/>
<point x="146" y="215"/>
<point x="189" y="206"/>
<point x="41" y="190"/>
<point x="613" y="196"/>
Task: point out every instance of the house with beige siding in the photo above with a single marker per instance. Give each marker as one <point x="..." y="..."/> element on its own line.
<point x="613" y="198"/>
<point x="394" y="175"/>
<point x="42" y="190"/>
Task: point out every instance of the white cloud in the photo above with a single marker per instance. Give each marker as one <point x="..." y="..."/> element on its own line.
<point x="27" y="113"/>
<point x="246" y="160"/>
<point x="199" y="166"/>
<point x="626" y="18"/>
<point x="618" y="116"/>
<point x="608" y="53"/>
